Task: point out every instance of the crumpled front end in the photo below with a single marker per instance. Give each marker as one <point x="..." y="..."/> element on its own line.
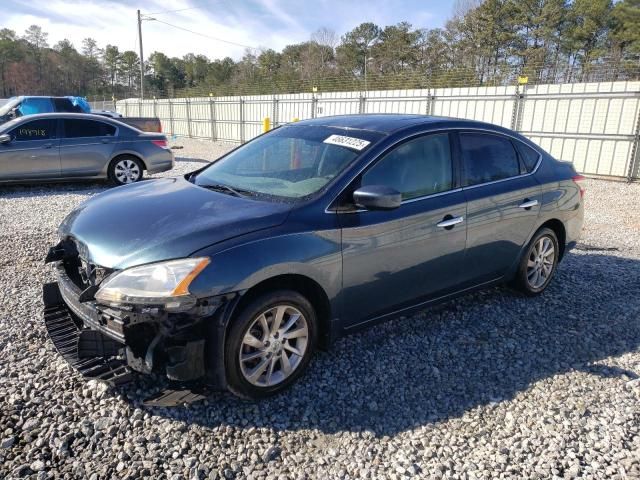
<point x="111" y="343"/>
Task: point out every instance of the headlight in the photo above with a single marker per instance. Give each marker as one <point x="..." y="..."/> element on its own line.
<point x="159" y="284"/>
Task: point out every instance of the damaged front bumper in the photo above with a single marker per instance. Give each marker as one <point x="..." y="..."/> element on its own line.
<point x="112" y="344"/>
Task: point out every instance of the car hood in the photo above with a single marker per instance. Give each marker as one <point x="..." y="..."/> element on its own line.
<point x="162" y="219"/>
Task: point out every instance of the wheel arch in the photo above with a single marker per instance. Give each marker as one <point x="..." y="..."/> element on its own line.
<point x="302" y="284"/>
<point x="559" y="229"/>
<point x="120" y="155"/>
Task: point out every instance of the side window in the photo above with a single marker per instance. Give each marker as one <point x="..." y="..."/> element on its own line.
<point x="487" y="158"/>
<point x="64" y="105"/>
<point x="528" y="155"/>
<point x="416" y="168"/>
<point x="35" y="130"/>
<point x="75" y="128"/>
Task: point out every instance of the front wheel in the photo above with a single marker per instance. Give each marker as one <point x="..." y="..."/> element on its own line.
<point x="125" y="170"/>
<point x="270" y="344"/>
<point x="538" y="265"/>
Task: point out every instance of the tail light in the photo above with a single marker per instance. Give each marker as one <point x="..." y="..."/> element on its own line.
<point x="577" y="179"/>
<point x="160" y="143"/>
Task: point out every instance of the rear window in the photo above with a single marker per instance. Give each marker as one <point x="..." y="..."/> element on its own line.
<point x="528" y="155"/>
<point x="76" y="128"/>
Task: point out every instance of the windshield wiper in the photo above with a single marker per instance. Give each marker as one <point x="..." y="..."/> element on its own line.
<point x="219" y="187"/>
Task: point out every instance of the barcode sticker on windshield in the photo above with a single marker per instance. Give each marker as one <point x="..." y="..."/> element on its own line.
<point x="349" y="142"/>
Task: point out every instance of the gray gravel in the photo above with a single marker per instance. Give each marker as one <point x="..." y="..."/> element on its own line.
<point x="491" y="385"/>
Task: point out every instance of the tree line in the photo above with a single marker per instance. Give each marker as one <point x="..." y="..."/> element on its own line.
<point x="489" y="42"/>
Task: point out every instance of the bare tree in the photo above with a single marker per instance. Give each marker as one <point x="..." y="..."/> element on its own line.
<point x="462" y="7"/>
<point x="325" y="37"/>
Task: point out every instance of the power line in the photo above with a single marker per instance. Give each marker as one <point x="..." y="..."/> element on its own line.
<point x="205" y="35"/>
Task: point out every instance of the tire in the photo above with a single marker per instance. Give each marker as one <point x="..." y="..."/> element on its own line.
<point x="125" y="170"/>
<point x="545" y="263"/>
<point x="263" y="370"/>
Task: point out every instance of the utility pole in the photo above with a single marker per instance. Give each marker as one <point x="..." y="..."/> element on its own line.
<point x="141" y="57"/>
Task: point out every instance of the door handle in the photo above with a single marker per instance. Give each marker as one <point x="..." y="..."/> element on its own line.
<point x="450" y="222"/>
<point x="106" y="140"/>
<point x="527" y="204"/>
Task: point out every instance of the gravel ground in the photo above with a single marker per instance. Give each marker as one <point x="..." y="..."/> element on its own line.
<point x="491" y="385"/>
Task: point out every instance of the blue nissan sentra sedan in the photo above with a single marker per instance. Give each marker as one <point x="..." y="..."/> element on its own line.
<point x="231" y="276"/>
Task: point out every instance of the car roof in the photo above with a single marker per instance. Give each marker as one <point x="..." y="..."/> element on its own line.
<point x="22" y="97"/>
<point x="40" y="96"/>
<point x="80" y="116"/>
<point x="388" y="123"/>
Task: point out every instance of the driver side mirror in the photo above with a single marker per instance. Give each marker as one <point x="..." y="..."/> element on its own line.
<point x="5" y="138"/>
<point x="377" y="197"/>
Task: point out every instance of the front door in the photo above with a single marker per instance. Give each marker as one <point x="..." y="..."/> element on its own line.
<point x="395" y="259"/>
<point x="503" y="203"/>
<point x="32" y="152"/>
<point x="86" y="147"/>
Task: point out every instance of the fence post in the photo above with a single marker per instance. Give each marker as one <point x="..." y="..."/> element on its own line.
<point x="516" y="114"/>
<point x="634" y="157"/>
<point x="171" y="116"/>
<point x="188" y="106"/>
<point x="314" y="106"/>
<point x="155" y="107"/>
<point x="212" y="117"/>
<point x="361" y="106"/>
<point x="126" y="109"/>
<point x="428" y="109"/>
<point x="140" y="108"/>
<point x="274" y="113"/>
<point x="241" y="120"/>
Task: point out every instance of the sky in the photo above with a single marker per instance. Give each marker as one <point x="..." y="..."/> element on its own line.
<point x="253" y="23"/>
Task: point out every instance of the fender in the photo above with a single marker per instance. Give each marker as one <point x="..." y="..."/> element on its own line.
<point x="313" y="254"/>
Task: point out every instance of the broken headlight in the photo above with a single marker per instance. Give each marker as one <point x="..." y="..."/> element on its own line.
<point x="164" y="284"/>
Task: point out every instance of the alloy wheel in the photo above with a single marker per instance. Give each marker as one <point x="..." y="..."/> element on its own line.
<point x="541" y="262"/>
<point x="127" y="171"/>
<point x="274" y="346"/>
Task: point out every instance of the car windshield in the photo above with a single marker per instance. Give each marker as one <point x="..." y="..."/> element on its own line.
<point x="6" y="108"/>
<point x="291" y="162"/>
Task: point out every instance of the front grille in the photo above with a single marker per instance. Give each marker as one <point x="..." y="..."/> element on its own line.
<point x="90" y="315"/>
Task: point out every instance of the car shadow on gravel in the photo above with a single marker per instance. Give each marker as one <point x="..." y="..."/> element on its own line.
<point x="473" y="352"/>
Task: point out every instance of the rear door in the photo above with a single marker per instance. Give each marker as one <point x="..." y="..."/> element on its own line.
<point x="32" y="152"/>
<point x="503" y="203"/>
<point x="396" y="258"/>
<point x="86" y="146"/>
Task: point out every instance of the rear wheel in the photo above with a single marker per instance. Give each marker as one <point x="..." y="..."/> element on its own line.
<point x="124" y="170"/>
<point x="538" y="265"/>
<point x="270" y="344"/>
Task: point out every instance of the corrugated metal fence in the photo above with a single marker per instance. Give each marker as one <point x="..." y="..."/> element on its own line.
<point x="594" y="125"/>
